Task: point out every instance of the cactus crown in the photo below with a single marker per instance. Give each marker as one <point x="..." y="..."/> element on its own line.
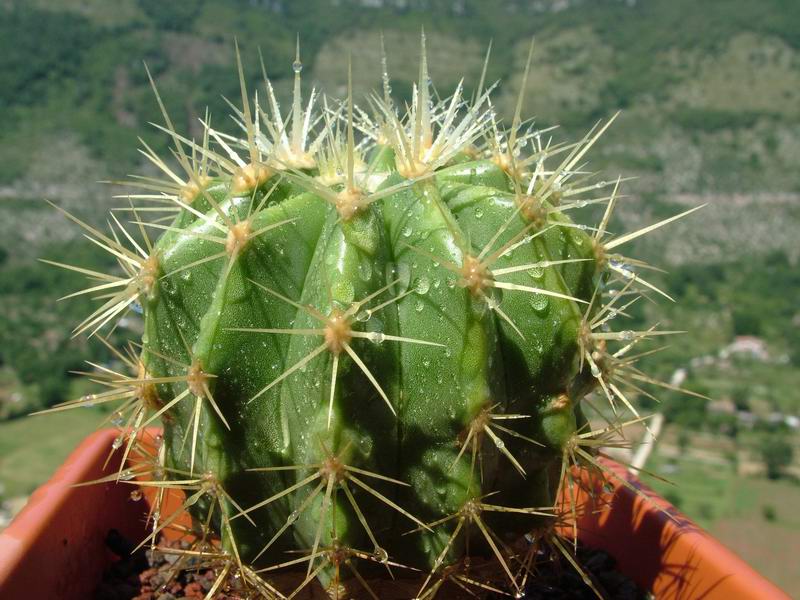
<point x="361" y="325"/>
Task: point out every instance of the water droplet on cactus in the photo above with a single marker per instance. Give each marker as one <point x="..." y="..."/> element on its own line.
<point x="478" y="213"/>
<point x="136" y="495"/>
<point x="293" y="516"/>
<point x="365" y="269"/>
<point x="407" y="231"/>
<point x="364" y="315"/>
<point x="492" y="301"/>
<point x="539" y="302"/>
<point x="118" y="419"/>
<point x="297" y="66"/>
<point x="381" y="555"/>
<point x="402" y="273"/>
<point x="376" y="337"/>
<point x="536" y="272"/>
<point x="419" y="306"/>
<point x="423" y="285"/>
<point x="117" y="442"/>
<point x="626" y="335"/>
<point x="126" y="475"/>
<point x="595" y="370"/>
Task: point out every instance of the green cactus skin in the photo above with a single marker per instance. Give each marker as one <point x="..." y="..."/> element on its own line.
<point x="346" y="346"/>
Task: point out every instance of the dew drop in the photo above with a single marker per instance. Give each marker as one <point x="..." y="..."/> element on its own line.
<point x="136" y="495"/>
<point x="117" y="442"/>
<point x="402" y="274"/>
<point x="407" y="231"/>
<point x="626" y="335"/>
<point x="423" y="285"/>
<point x="539" y="302"/>
<point x="536" y="272"/>
<point x="478" y="213"/>
<point x="365" y="270"/>
<point x="297" y="66"/>
<point x="293" y="516"/>
<point x="376" y="337"/>
<point x="126" y="475"/>
<point x="118" y="419"/>
<point x="364" y="315"/>
<point x="419" y="306"/>
<point x="595" y="371"/>
<point x="381" y="555"/>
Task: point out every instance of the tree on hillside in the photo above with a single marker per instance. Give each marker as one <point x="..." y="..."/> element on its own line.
<point x="777" y="453"/>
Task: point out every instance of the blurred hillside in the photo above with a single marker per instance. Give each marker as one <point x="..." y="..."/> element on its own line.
<point x="710" y="94"/>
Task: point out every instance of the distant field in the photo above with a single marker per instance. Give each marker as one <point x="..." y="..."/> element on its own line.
<point x="31" y="448"/>
<point x="732" y="508"/>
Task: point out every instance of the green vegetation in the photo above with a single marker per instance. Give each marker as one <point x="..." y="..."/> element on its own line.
<point x="710" y="98"/>
<point x="752" y="515"/>
<point x="777" y="453"/>
<point x="86" y="88"/>
<point x="32" y="448"/>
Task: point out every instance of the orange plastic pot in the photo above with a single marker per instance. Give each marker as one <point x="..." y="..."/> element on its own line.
<point x="661" y="549"/>
<point x="55" y="548"/>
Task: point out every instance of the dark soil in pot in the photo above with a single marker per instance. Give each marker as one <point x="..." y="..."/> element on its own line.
<point x="149" y="575"/>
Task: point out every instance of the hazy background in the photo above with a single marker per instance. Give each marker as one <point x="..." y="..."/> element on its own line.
<point x="710" y="93"/>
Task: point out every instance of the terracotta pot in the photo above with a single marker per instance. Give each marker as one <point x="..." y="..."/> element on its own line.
<point x="55" y="548"/>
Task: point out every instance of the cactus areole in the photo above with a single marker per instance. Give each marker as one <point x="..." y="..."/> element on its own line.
<point x="369" y="336"/>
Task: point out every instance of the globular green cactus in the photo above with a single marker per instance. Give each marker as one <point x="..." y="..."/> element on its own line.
<point x="369" y="352"/>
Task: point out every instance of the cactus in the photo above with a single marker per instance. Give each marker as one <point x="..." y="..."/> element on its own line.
<point x="369" y="352"/>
